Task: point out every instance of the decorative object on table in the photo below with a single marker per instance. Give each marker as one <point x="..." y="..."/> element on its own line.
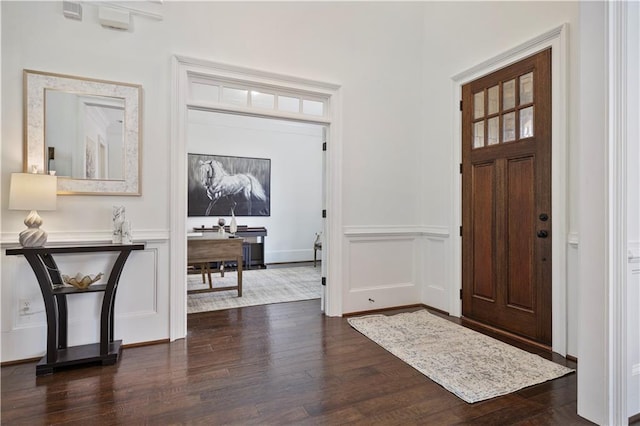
<point x="81" y="281"/>
<point x="221" y="223"/>
<point x="32" y="191"/>
<point x="126" y="232"/>
<point x="117" y="219"/>
<point x="217" y="183"/>
<point x="233" y="226"/>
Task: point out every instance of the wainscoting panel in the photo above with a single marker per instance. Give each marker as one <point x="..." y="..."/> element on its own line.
<point x="380" y="271"/>
<point x="141" y="307"/>
<point x="573" y="288"/>
<point x="437" y="279"/>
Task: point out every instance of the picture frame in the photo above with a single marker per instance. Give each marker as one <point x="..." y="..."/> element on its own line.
<point x="219" y="184"/>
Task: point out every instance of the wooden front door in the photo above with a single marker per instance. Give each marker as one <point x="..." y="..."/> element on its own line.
<point x="506" y="199"/>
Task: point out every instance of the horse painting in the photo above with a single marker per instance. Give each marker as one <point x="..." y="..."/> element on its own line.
<point x="218" y="183"/>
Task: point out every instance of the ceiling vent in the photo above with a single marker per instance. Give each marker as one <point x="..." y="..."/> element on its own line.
<point x="72" y="10"/>
<point x="113" y="18"/>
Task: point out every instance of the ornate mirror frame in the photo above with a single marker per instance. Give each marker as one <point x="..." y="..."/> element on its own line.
<point x="36" y="83"/>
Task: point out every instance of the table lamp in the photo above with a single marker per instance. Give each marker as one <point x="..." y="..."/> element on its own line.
<point x="32" y="191"/>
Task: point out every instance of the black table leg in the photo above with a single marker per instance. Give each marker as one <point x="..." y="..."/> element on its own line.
<point x="61" y="299"/>
<point x="44" y="281"/>
<point x="107" y="312"/>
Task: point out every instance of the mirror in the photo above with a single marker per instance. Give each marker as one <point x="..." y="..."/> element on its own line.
<point x="85" y="130"/>
<point x="83" y="135"/>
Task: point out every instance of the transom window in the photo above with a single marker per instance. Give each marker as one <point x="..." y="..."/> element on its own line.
<point x="504" y="113"/>
<point x="240" y="95"/>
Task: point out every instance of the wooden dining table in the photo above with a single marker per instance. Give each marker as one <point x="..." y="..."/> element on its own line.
<point x="202" y="251"/>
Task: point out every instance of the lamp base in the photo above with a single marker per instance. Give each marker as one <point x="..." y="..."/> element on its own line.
<point x="33" y="236"/>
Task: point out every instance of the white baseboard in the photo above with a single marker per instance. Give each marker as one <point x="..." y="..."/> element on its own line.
<point x="286" y="256"/>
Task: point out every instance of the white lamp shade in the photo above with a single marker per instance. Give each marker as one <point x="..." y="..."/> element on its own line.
<point x="32" y="191"/>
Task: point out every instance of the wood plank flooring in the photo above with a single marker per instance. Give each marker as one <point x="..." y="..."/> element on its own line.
<point x="269" y="365"/>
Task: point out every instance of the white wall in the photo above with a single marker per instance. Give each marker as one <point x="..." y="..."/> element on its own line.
<point x="295" y="151"/>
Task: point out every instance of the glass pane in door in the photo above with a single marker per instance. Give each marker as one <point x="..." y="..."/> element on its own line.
<point x="478" y="105"/>
<point x="478" y="134"/>
<point x="526" y="88"/>
<point x="509" y="127"/>
<point x="509" y="94"/>
<point x="493" y="94"/>
<point x="493" y="129"/>
<point x="526" y="122"/>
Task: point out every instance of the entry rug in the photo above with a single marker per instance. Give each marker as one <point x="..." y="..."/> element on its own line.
<point x="259" y="287"/>
<point x="469" y="364"/>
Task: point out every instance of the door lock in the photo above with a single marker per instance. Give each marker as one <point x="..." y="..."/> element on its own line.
<point x="543" y="234"/>
<point x="544" y="217"/>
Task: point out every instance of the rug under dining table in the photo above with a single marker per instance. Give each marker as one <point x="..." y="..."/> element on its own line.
<point x="259" y="287"/>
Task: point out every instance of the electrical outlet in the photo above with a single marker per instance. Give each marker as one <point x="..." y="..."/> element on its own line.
<point x="24" y="306"/>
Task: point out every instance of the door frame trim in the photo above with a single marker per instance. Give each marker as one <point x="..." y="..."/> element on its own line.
<point x="557" y="39"/>
<point x="183" y="67"/>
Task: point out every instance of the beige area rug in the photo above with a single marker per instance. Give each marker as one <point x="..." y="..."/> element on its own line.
<point x="259" y="287"/>
<point x="469" y="364"/>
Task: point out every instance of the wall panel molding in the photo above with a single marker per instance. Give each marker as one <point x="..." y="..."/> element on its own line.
<point x="400" y="265"/>
<point x="376" y="230"/>
<point x="381" y="269"/>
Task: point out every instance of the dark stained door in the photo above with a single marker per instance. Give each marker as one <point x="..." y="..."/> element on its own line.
<point x="506" y="199"/>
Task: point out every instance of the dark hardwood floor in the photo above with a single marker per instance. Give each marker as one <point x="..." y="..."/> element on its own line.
<point x="269" y="365"/>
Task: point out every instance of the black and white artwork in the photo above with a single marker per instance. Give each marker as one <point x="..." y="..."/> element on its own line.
<point x="219" y="184"/>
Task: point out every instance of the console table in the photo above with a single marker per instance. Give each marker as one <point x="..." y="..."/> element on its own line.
<point x="55" y="302"/>
<point x="253" y="243"/>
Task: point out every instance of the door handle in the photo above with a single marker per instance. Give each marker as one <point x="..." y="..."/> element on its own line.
<point x="543" y="234"/>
